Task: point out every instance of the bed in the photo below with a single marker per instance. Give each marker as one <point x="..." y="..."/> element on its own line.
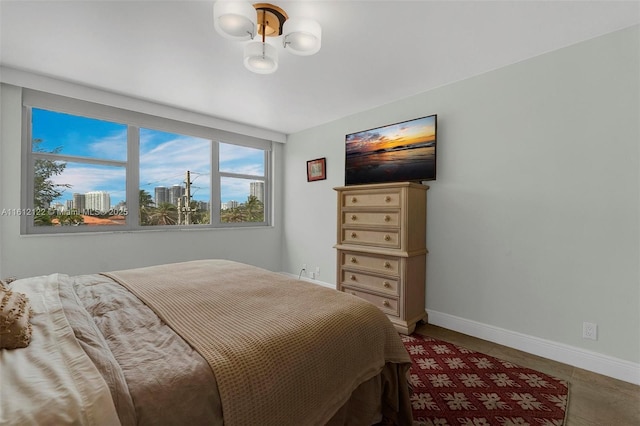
<point x="203" y="342"/>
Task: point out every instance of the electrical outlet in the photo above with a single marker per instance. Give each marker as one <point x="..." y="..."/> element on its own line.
<point x="303" y="271"/>
<point x="590" y="330"/>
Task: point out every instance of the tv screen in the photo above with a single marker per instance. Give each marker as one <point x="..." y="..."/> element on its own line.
<point x="404" y="151"/>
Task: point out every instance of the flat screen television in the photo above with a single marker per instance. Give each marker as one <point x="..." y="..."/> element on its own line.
<point x="398" y="152"/>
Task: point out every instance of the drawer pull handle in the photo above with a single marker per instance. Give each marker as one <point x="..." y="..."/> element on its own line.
<point x="387" y="218"/>
<point x="386" y="303"/>
<point x="354" y="217"/>
<point x="354" y="200"/>
<point x="387" y="237"/>
<point x="354" y="260"/>
<point x="387" y="199"/>
<point x="387" y="265"/>
<point x="352" y="277"/>
<point x="353" y="235"/>
<point x="386" y="284"/>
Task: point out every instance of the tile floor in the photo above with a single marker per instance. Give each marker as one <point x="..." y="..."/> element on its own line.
<point x="594" y="399"/>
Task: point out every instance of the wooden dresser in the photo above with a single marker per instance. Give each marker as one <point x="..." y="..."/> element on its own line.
<point x="382" y="248"/>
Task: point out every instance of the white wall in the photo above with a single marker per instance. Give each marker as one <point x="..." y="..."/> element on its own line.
<point x="28" y="255"/>
<point x="533" y="221"/>
<point x="2" y="122"/>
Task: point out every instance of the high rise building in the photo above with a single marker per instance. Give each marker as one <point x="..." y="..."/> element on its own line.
<point x="175" y="193"/>
<point x="161" y="195"/>
<point x="98" y="201"/>
<point x="257" y="190"/>
<point x="78" y="203"/>
<point x="231" y="204"/>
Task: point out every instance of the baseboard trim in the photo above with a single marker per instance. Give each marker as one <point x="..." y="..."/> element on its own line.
<point x="577" y="357"/>
<point x="309" y="280"/>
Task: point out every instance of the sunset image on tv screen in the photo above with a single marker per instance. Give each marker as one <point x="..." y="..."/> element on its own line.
<point x="403" y="151"/>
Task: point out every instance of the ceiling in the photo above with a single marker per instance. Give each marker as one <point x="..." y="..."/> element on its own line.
<point x="373" y="52"/>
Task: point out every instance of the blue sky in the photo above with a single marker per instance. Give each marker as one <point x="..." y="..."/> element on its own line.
<point x="164" y="157"/>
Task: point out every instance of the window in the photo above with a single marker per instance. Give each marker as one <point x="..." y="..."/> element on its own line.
<point x="175" y="179"/>
<point x="242" y="184"/>
<point x="98" y="168"/>
<point x="79" y="170"/>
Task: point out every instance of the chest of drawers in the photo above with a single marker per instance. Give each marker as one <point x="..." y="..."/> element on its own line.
<point x="381" y="248"/>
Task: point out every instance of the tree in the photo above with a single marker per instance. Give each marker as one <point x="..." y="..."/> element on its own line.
<point x="254" y="209"/>
<point x="42" y="218"/>
<point x="146" y="206"/>
<point x="233" y="215"/>
<point x="44" y="189"/>
<point x="165" y="214"/>
<point x="70" y="219"/>
<point x="198" y="216"/>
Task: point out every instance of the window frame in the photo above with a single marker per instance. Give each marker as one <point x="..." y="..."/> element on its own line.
<point x="134" y="122"/>
<point x="267" y="187"/>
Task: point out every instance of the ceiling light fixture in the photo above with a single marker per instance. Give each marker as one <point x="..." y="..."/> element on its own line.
<point x="239" y="20"/>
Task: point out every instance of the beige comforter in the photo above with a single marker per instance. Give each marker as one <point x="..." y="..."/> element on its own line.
<point x="283" y="352"/>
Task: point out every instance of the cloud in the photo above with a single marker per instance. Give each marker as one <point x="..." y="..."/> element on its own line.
<point x="235" y="189"/>
<point x="241" y="160"/>
<point x="113" y="147"/>
<point x="84" y="178"/>
<point x="166" y="163"/>
<point x="164" y="160"/>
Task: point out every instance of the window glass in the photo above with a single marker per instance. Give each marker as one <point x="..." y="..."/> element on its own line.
<point x="241" y="160"/>
<point x="242" y="184"/>
<point x="166" y="197"/>
<point x="91" y="172"/>
<point x="78" y="136"/>
<point x="89" y="191"/>
<point x="242" y="200"/>
<point x="70" y="193"/>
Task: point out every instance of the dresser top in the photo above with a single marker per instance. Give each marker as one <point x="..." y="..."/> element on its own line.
<point x="383" y="186"/>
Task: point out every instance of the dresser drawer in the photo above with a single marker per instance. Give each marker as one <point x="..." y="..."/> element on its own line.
<point x="372" y="282"/>
<point x="385" y="265"/>
<point x="381" y="248"/>
<point x="385" y="238"/>
<point x="365" y="218"/>
<point x="387" y="305"/>
<point x="371" y="199"/>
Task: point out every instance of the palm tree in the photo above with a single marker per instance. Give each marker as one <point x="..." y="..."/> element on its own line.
<point x="254" y="209"/>
<point x="233" y="215"/>
<point x="146" y="206"/>
<point x="165" y="214"/>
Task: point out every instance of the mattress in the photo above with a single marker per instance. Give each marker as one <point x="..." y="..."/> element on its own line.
<point x="106" y="349"/>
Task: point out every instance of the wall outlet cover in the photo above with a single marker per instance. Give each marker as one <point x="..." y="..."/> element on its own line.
<point x="589" y="330"/>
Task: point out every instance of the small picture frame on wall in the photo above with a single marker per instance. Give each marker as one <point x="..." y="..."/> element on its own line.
<point x="316" y="169"/>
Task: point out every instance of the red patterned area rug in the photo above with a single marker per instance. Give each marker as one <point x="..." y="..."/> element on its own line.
<point x="452" y="385"/>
